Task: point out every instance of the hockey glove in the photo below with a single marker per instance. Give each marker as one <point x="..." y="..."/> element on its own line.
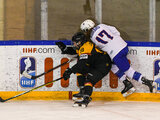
<point x="62" y="46"/>
<point x="67" y="73"/>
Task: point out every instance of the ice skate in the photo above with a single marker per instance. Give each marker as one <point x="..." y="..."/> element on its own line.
<point x="84" y="102"/>
<point x="78" y="96"/>
<point x="77" y="104"/>
<point x="151" y="84"/>
<point x="128" y="89"/>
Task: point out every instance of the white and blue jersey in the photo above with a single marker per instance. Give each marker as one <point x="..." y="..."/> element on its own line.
<point x="108" y="39"/>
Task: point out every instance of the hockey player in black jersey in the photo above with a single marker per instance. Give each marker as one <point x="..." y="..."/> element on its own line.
<point x="92" y="66"/>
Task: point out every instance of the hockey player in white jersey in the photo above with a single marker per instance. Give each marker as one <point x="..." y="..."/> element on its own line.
<point x="108" y="39"/>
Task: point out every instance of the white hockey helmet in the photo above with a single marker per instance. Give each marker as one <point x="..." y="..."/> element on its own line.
<point x="87" y="25"/>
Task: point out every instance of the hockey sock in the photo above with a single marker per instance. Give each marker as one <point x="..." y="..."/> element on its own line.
<point x="137" y="76"/>
<point x="88" y="88"/>
<point x="139" y="80"/>
<point x="81" y="80"/>
<point x="122" y="78"/>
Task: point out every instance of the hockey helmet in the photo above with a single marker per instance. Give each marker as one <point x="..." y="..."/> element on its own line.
<point x="79" y="39"/>
<point x="87" y="25"/>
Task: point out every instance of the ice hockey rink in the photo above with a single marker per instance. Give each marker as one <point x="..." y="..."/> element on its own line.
<point x="63" y="110"/>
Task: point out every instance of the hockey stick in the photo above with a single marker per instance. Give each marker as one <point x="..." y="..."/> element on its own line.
<point x="25" y="74"/>
<point x="2" y="100"/>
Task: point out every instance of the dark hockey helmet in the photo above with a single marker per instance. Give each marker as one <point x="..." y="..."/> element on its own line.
<point x="79" y="39"/>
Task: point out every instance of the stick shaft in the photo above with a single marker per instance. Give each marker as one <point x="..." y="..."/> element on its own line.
<point x="32" y="89"/>
<point x="34" y="77"/>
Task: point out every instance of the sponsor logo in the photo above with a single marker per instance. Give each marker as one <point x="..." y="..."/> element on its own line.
<point x="153" y="52"/>
<point x="83" y="56"/>
<point x="27" y="64"/>
<point x="111" y="52"/>
<point x="132" y="52"/>
<point x="38" y="50"/>
<point x="82" y="50"/>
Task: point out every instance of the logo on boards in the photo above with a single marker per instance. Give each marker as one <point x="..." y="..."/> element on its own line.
<point x="27" y="65"/>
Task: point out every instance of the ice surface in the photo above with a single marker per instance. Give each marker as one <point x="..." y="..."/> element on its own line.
<point x="63" y="110"/>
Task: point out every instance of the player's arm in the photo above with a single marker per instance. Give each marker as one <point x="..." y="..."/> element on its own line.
<point x="81" y="67"/>
<point x="65" y="49"/>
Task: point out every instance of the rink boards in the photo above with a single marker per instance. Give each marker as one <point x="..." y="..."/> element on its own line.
<point x="36" y="57"/>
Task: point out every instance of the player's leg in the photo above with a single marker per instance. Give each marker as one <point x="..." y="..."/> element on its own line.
<point x="92" y="78"/>
<point x="85" y="98"/>
<point x="132" y="74"/>
<point x="123" y="64"/>
<point x="128" y="86"/>
<point x="81" y="80"/>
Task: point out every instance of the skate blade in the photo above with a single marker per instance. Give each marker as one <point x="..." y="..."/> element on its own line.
<point x="77" y="99"/>
<point x="155" y="86"/>
<point x="129" y="92"/>
<point x="79" y="105"/>
<point x="76" y="105"/>
<point x="83" y="105"/>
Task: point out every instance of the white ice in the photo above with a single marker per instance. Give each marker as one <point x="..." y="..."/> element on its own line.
<point x="63" y="110"/>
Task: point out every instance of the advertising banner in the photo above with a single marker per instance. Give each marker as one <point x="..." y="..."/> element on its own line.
<point x="36" y="57"/>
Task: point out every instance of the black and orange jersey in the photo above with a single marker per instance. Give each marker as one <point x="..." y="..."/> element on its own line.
<point x="90" y="57"/>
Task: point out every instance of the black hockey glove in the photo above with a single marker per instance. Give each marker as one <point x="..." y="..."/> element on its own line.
<point x="62" y="46"/>
<point x="67" y="73"/>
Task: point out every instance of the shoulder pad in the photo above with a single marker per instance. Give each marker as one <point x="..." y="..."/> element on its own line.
<point x="86" y="48"/>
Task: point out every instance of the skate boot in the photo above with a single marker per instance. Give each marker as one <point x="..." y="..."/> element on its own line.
<point x="78" y="96"/>
<point x="128" y="89"/>
<point x="84" y="102"/>
<point x="151" y="84"/>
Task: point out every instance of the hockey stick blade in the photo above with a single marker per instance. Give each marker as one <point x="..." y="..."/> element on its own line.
<point x="25" y="74"/>
<point x="2" y="100"/>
